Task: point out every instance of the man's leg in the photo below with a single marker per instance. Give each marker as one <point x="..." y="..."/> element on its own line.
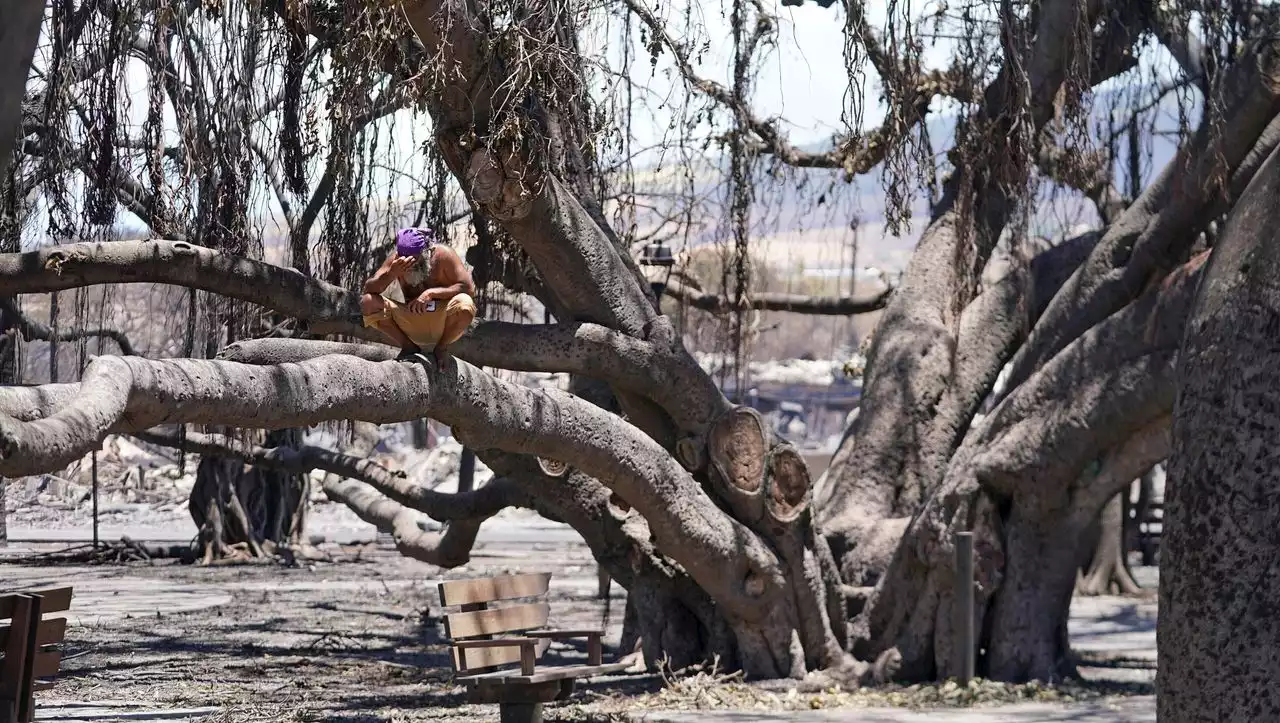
<point x="376" y="315"/>
<point x="459" y="314"/>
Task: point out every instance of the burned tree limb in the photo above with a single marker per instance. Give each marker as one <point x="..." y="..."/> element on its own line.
<point x="1156" y="231"/>
<point x="32" y="329"/>
<point x="129" y="394"/>
<point x="324" y="307"/>
<point x="484" y="502"/>
<point x="657" y="368"/>
<point x="794" y="303"/>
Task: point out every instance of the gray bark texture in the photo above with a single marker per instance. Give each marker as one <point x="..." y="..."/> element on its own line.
<point x="1217" y="632"/>
<point x="19" y="32"/>
<point x="1086" y="410"/>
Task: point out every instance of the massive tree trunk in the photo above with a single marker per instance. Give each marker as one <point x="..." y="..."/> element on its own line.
<point x="19" y="32"/>
<point x="1085" y="411"/>
<point x="1217" y="633"/>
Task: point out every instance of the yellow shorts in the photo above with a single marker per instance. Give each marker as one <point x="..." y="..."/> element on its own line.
<point x="425" y="329"/>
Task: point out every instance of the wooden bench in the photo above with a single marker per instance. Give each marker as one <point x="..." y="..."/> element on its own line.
<point x="479" y="658"/>
<point x="30" y="646"/>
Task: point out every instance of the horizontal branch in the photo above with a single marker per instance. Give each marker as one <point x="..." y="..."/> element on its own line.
<point x="32" y="329"/>
<point x="795" y="303"/>
<point x="325" y="308"/>
<point x="127" y="394"/>
<point x="658" y="369"/>
<point x="481" y="503"/>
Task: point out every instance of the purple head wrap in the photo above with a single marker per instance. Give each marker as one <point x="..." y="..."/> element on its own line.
<point x="413" y="241"/>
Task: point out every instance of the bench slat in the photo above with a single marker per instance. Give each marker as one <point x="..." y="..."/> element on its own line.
<point x="489" y="589"/>
<point x="562" y="633"/>
<point x="50" y="632"/>
<point x="497" y="620"/>
<point x="512" y="677"/>
<point x="487" y="657"/>
<point x="55" y="600"/>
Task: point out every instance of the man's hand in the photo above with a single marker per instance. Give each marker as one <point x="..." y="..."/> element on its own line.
<point x="400" y="265"/>
<point x="393" y="269"/>
<point x="423" y="304"/>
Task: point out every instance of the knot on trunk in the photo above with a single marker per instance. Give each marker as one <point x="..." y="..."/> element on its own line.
<point x="501" y="184"/>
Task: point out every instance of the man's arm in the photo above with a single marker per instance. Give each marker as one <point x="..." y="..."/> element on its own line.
<point x="383" y="277"/>
<point x="453" y="275"/>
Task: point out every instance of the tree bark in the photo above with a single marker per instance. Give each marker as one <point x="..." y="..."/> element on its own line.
<point x="1217" y="634"/>
<point x="753" y="586"/>
<point x="20" y="22"/>
<point x="1021" y="482"/>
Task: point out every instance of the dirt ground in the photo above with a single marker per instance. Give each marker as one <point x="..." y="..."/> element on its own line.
<point x="360" y="639"/>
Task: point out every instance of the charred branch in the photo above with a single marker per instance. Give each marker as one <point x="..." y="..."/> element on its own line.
<point x="32" y="329"/>
<point x="794" y="303"/>
<point x="120" y="395"/>
<point x="1156" y="232"/>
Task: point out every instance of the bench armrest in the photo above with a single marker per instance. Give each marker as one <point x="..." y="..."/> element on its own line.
<point x="528" y="657"/>
<point x="595" y="653"/>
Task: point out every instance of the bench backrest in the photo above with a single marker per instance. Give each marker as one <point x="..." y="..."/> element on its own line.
<point x="29" y="643"/>
<point x="478" y="620"/>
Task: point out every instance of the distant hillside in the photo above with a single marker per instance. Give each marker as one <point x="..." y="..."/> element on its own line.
<point x="809" y="212"/>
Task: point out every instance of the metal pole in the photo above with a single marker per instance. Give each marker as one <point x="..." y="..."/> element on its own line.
<point x="93" y="461"/>
<point x="965" y="643"/>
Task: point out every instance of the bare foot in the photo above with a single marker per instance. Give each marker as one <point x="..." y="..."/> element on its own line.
<point x="442" y="356"/>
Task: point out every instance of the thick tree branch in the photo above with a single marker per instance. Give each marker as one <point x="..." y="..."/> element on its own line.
<point x="1109" y="384"/>
<point x="795" y="303"/>
<point x="32" y="329"/>
<point x="1159" y="227"/>
<point x="1121" y="466"/>
<point x="124" y="394"/>
<point x="658" y="368"/>
<point x="326" y="308"/>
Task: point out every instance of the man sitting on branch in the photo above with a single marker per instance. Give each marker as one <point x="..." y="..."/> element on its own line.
<point x="436" y="307"/>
